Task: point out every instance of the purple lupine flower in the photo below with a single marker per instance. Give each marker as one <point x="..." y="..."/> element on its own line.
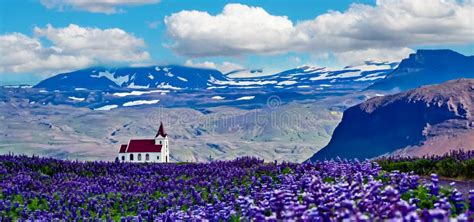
<point x="246" y="188"/>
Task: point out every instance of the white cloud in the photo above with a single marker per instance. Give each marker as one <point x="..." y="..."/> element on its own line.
<point x="224" y="67"/>
<point x="239" y="29"/>
<point x="96" y="6"/>
<point x="389" y="26"/>
<point x="378" y="55"/>
<point x="71" y="48"/>
<point x="392" y="24"/>
<point x="205" y="64"/>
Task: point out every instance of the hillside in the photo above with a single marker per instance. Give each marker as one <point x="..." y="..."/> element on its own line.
<point x="427" y="120"/>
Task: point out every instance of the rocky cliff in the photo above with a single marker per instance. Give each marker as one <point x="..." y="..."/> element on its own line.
<point x="427" y="120"/>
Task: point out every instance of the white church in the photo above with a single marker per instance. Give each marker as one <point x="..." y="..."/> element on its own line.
<point x="146" y="150"/>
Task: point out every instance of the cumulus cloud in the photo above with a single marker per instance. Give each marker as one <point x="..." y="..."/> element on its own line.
<point x="72" y="47"/>
<point x="96" y="6"/>
<point x="239" y="29"/>
<point x="392" y="23"/>
<point x="377" y="55"/>
<point x="389" y="26"/>
<point x="224" y="67"/>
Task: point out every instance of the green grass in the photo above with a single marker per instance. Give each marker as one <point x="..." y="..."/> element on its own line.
<point x="447" y="167"/>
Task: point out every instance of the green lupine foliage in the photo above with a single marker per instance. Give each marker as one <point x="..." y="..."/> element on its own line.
<point x="235" y="218"/>
<point x="286" y="170"/>
<point x="447" y="167"/>
<point x="329" y="180"/>
<point x="426" y="199"/>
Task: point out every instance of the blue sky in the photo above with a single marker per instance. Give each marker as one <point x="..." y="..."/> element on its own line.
<point x="38" y="40"/>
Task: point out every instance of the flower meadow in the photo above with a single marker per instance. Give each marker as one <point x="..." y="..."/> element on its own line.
<point x="245" y="189"/>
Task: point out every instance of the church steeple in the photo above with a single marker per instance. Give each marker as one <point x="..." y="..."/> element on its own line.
<point x="161" y="131"/>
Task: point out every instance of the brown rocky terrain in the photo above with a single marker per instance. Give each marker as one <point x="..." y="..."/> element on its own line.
<point x="428" y="120"/>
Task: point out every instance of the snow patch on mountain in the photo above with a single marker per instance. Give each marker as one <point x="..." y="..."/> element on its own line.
<point x="167" y="86"/>
<point x="133" y="86"/>
<point x="76" y="98"/>
<point x="287" y="83"/>
<point x="138" y="93"/>
<point x="182" y="79"/>
<point x="350" y="74"/>
<point x="371" y="77"/>
<point x="244" y="83"/>
<point x="216" y="87"/>
<point x="245" y="98"/>
<point x="106" y="107"/>
<point x="141" y="102"/>
<point x="311" y="69"/>
<point x="119" y="80"/>
<point x="323" y="76"/>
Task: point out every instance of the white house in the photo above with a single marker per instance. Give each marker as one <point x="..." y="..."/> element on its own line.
<point x="146" y="150"/>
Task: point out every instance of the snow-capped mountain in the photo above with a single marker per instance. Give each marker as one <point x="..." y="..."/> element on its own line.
<point x="99" y="78"/>
<point x="309" y="77"/>
<point x="180" y="77"/>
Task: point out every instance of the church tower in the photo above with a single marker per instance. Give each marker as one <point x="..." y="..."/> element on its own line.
<point x="161" y="138"/>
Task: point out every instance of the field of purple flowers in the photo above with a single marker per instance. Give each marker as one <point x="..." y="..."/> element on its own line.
<point x="245" y="189"/>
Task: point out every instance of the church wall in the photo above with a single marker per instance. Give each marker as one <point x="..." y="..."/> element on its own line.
<point x="154" y="157"/>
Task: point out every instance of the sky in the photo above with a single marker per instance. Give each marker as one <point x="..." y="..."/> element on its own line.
<point x="40" y="38"/>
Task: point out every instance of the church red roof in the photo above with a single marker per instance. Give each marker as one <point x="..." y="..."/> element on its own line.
<point x="123" y="147"/>
<point x="141" y="146"/>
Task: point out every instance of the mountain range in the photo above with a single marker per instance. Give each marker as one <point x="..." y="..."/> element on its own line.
<point x="181" y="77"/>
<point x="421" y="68"/>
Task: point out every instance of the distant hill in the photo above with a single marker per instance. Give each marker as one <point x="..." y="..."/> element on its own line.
<point x="427" y="67"/>
<point x="428" y="120"/>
